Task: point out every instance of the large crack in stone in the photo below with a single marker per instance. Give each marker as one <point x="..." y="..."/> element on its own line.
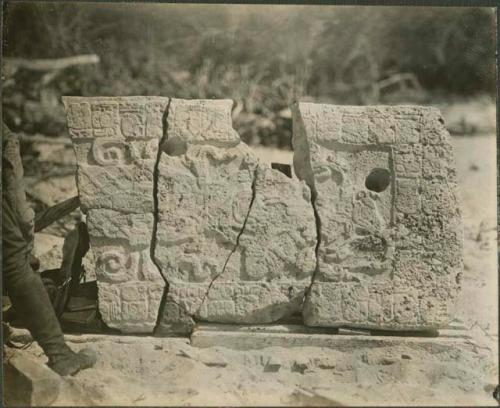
<point x="391" y="233"/>
<point x="116" y="143"/>
<point x="235" y="238"/>
<point x="303" y="168"/>
<point x="209" y="233"/>
<point x="237" y="243"/>
<point x="181" y="237"/>
<point x="317" y="220"/>
<point x="156" y="215"/>
<point x="269" y="269"/>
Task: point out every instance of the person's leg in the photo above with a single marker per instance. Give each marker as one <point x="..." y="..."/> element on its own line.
<point x="25" y="287"/>
<point x="31" y="302"/>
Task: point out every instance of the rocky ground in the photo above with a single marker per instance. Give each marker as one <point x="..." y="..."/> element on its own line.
<point x="168" y="371"/>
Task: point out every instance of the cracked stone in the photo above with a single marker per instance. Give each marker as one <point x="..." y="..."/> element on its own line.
<point x="187" y="225"/>
<point x="274" y="259"/>
<point x="116" y="143"/>
<point x="235" y="238"/>
<point x="384" y="194"/>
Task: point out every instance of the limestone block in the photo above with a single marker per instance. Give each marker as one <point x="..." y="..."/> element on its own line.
<point x="384" y="192"/>
<point x="29" y="383"/>
<point x="116" y="142"/>
<point x="255" y="338"/>
<point x="130" y="286"/>
<point x="235" y="239"/>
<point x="274" y="257"/>
<point x="116" y="145"/>
<point x="201" y="121"/>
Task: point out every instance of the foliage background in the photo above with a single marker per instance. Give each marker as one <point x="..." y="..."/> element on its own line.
<point x="264" y="57"/>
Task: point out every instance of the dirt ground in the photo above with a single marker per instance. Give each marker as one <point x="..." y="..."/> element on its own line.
<point x="168" y="371"/>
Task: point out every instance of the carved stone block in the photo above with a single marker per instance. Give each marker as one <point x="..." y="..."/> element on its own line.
<point x="384" y="192"/>
<point x="237" y="241"/>
<point x="235" y="238"/>
<point x="116" y="144"/>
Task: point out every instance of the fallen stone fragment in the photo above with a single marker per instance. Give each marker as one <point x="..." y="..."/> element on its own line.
<point x="308" y="397"/>
<point x="326" y="363"/>
<point x="214" y="361"/>
<point x="301" y="365"/>
<point x="210" y="359"/>
<point x="235" y="238"/>
<point x="273" y="365"/>
<point x="29" y="383"/>
<point x="384" y="194"/>
<point x="116" y="146"/>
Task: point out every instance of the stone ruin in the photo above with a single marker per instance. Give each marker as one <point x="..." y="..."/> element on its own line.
<point x="187" y="225"/>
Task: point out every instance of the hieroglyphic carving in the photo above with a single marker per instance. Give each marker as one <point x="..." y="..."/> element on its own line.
<point x="235" y="238"/>
<point x="116" y="144"/>
<point x="384" y="187"/>
<point x="266" y="276"/>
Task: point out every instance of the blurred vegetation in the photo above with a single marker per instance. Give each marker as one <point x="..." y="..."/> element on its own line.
<point x="263" y="57"/>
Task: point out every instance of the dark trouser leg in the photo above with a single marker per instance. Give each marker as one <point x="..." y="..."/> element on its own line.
<point x="31" y="301"/>
<point x="25" y="288"/>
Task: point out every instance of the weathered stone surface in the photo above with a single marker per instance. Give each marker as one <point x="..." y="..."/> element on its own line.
<point x="116" y="144"/>
<point x="29" y="383"/>
<point x="383" y="182"/>
<point x="235" y="238"/>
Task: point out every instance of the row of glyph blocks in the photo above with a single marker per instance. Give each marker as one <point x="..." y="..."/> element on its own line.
<point x="368" y="235"/>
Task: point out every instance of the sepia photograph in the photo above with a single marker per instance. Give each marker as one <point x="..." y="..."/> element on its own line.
<point x="249" y="205"/>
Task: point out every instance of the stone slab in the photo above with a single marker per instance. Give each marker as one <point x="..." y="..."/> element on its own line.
<point x="257" y="339"/>
<point x="130" y="286"/>
<point x="173" y="196"/>
<point x="274" y="257"/>
<point x="29" y="383"/>
<point x="235" y="238"/>
<point x="384" y="192"/>
<point x="263" y="328"/>
<point x="116" y="142"/>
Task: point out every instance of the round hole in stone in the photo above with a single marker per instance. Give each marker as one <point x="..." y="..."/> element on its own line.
<point x="378" y="180"/>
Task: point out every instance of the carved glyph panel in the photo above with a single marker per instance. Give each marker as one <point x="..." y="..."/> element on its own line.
<point x="116" y="145"/>
<point x="235" y="238"/>
<point x="390" y="253"/>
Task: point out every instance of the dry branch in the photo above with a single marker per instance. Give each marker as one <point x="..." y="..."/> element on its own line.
<point x="12" y="65"/>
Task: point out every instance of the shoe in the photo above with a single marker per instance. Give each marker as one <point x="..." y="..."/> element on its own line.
<point x="70" y="362"/>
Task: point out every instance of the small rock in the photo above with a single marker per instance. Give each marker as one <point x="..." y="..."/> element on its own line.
<point x="29" y="383"/>
<point x="214" y="361"/>
<point x="273" y="365"/>
<point x="387" y="361"/>
<point x="301" y="366"/>
<point x="326" y="363"/>
<point x="189" y="354"/>
<point x="405" y="357"/>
